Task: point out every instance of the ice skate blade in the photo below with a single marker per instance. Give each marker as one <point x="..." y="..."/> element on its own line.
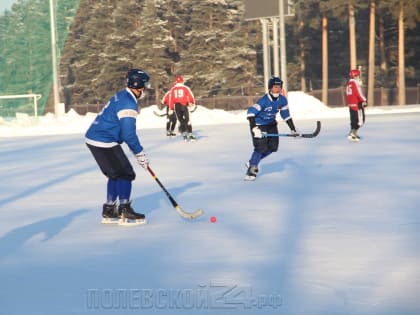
<point x="109" y="220"/>
<point x="127" y="222"/>
<point x="249" y="178"/>
<point x="351" y="139"/>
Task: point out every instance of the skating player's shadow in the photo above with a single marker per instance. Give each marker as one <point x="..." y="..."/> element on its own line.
<point x="148" y="203"/>
<point x="198" y="135"/>
<point x="278" y="167"/>
<point x="51" y="227"/>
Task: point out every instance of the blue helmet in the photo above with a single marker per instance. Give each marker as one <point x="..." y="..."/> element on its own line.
<point x="274" y="81"/>
<point x="137" y="79"/>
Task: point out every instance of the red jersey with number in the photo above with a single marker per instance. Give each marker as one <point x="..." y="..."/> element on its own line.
<point x="182" y="94"/>
<point x="354" y="94"/>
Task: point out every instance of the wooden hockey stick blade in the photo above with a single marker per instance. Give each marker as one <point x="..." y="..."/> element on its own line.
<point x="194" y="109"/>
<point x="313" y="134"/>
<point x="188" y="215"/>
<point x="159" y="115"/>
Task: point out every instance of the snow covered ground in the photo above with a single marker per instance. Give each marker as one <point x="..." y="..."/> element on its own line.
<point x="328" y="227"/>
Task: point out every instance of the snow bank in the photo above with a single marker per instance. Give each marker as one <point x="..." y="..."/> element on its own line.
<point x="302" y="106"/>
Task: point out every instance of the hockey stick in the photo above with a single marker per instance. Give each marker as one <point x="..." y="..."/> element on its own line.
<point x="159" y="115"/>
<point x="165" y="114"/>
<point x="302" y="135"/>
<point x="182" y="213"/>
<point x="194" y="109"/>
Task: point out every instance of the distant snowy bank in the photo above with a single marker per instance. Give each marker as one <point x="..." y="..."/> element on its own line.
<point x="302" y="106"/>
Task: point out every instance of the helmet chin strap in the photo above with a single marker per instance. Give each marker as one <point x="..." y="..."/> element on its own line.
<point x="275" y="95"/>
<point x="138" y="93"/>
<point x="142" y="95"/>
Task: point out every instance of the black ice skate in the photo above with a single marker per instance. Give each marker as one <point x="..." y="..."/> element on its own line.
<point x="110" y="213"/>
<point x="129" y="217"/>
<point x="192" y="137"/>
<point x="352" y="136"/>
<point x="251" y="173"/>
<point x="247" y="166"/>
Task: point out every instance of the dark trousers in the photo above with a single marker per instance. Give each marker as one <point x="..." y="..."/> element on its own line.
<point x="263" y="147"/>
<point x="183" y="116"/>
<point x="170" y="120"/>
<point x="115" y="165"/>
<point x="357" y="117"/>
<point x="113" y="162"/>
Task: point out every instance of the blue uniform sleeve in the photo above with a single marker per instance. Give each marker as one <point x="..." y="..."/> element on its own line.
<point x="129" y="134"/>
<point x="264" y="111"/>
<point x="284" y="108"/>
<point x="127" y="115"/>
<point x="253" y="110"/>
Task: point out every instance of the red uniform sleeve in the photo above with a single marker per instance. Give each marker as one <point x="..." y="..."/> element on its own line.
<point x="190" y="96"/>
<point x="165" y="99"/>
<point x="171" y="101"/>
<point x="354" y="94"/>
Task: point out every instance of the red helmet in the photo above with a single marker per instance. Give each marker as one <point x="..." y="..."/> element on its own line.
<point x="354" y="73"/>
<point x="179" y="79"/>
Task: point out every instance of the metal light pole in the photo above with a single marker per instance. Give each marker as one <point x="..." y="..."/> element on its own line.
<point x="283" y="65"/>
<point x="264" y="23"/>
<point x="276" y="65"/>
<point x="58" y="107"/>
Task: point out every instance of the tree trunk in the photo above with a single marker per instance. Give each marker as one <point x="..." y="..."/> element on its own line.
<point x="384" y="65"/>
<point x="401" y="51"/>
<point x="324" y="59"/>
<point x="352" y="37"/>
<point x="302" y="60"/>
<point x="371" y="71"/>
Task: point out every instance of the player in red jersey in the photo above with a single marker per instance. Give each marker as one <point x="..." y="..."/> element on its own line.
<point x="356" y="102"/>
<point x="181" y="98"/>
<point x="170" y="115"/>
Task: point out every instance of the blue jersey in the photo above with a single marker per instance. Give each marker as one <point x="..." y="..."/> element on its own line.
<point x="116" y="123"/>
<point x="266" y="108"/>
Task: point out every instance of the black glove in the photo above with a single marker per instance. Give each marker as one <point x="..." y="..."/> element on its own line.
<point x="291" y="125"/>
<point x="252" y="123"/>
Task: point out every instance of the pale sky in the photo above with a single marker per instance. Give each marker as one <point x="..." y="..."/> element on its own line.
<point x="6" y="4"/>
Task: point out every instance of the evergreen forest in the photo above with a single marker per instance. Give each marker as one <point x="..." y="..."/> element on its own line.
<point x="209" y="42"/>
